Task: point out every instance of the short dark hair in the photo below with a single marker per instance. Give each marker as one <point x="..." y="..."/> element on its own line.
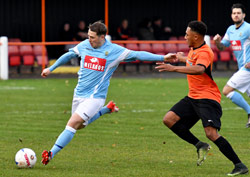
<point x="198" y="26"/>
<point x="239" y="6"/>
<point x="98" y="27"/>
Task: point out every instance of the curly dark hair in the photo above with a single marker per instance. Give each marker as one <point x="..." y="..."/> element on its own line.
<point x="198" y="26"/>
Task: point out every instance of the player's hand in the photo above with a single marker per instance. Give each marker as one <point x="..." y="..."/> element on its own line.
<point x="45" y="72"/>
<point x="170" y="57"/>
<point x="180" y="55"/>
<point x="247" y="65"/>
<point x="164" y="67"/>
<point x="217" y="38"/>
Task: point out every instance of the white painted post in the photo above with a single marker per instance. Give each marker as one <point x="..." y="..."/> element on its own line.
<point x="4" y="65"/>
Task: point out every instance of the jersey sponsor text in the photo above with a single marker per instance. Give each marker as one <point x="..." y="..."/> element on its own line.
<point x="94" y="63"/>
<point x="236" y="45"/>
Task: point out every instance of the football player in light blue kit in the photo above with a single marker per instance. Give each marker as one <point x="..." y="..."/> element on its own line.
<point x="99" y="59"/>
<point x="238" y="36"/>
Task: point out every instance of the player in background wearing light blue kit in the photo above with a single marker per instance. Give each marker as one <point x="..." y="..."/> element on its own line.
<point x="238" y="36"/>
<point x="99" y="59"/>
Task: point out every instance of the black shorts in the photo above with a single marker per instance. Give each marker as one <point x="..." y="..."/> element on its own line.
<point x="191" y="110"/>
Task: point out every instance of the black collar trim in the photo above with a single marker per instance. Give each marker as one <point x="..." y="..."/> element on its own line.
<point x="239" y="26"/>
<point x="200" y="46"/>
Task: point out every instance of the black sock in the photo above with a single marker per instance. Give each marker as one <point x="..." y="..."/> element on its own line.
<point x="227" y="149"/>
<point x="184" y="133"/>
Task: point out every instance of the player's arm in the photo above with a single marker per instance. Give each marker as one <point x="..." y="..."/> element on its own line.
<point x="194" y="69"/>
<point x="62" y="60"/>
<point x="217" y="40"/>
<point x="147" y="56"/>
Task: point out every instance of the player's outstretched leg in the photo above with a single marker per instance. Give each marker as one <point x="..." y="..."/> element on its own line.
<point x="67" y="135"/>
<point x="202" y="150"/>
<point x="109" y="108"/>
<point x="64" y="138"/>
<point x="239" y="169"/>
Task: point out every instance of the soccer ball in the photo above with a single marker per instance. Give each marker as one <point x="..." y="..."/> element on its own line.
<point x="25" y="158"/>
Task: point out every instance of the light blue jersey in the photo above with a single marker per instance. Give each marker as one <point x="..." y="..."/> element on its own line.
<point x="98" y="65"/>
<point x="239" y="39"/>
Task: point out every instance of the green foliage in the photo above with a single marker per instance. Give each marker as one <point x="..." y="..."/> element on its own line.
<point x="131" y="143"/>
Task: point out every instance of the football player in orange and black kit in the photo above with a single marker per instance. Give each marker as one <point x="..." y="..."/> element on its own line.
<point x="203" y="100"/>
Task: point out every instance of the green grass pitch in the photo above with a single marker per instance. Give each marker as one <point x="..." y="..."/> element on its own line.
<point x="131" y="143"/>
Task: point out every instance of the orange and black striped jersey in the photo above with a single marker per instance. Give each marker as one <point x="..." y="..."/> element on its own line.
<point x="202" y="86"/>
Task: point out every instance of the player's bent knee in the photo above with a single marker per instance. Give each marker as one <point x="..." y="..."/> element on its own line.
<point x="226" y="90"/>
<point x="211" y="134"/>
<point x="76" y="122"/>
<point x="212" y="137"/>
<point x="165" y="121"/>
<point x="170" y="119"/>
